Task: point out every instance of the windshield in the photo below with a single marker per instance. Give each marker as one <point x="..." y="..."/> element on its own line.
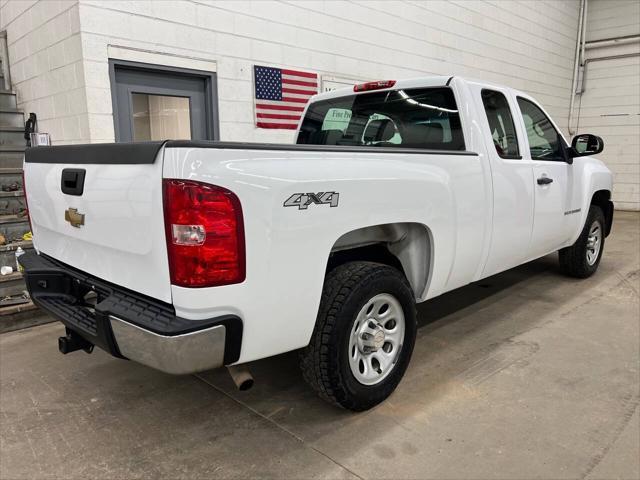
<point x="413" y="118"/>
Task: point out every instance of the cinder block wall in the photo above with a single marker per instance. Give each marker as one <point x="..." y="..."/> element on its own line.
<point x="45" y="59"/>
<point x="528" y="45"/>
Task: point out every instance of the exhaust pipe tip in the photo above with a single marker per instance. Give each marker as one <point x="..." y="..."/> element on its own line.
<point x="241" y="377"/>
<point x="246" y="385"/>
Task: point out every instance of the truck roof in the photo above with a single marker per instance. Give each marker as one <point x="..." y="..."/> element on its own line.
<point x="433" y="81"/>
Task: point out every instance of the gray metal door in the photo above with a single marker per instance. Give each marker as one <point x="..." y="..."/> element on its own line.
<point x="160" y="103"/>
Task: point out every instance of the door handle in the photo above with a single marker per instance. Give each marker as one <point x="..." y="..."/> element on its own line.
<point x="545" y="181"/>
<point x="72" y="181"/>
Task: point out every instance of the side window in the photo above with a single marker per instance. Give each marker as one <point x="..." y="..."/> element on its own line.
<point x="501" y="124"/>
<point x="545" y="143"/>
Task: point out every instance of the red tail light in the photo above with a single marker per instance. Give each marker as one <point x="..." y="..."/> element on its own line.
<point x="205" y="234"/>
<point x="379" y="85"/>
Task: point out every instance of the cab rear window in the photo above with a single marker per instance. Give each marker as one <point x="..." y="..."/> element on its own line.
<point x="412" y="118"/>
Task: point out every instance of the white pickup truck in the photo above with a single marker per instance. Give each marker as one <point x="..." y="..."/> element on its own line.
<point x="190" y="255"/>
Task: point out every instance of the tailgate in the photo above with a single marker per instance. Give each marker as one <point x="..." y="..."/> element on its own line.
<point x="121" y="238"/>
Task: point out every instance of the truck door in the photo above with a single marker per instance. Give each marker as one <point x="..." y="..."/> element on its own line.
<point x="512" y="182"/>
<point x="553" y="179"/>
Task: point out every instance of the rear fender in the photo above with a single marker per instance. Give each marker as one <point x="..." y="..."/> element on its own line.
<point x="410" y="243"/>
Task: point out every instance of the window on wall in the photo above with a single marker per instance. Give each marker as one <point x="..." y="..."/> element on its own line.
<point x="545" y="143"/>
<point x="153" y="102"/>
<point x="158" y="117"/>
<point x="501" y="126"/>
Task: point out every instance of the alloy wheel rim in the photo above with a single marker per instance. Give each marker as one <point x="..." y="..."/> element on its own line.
<point x="376" y="339"/>
<point x="594" y="243"/>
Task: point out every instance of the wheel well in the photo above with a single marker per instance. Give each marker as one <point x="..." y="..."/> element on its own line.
<point x="602" y="198"/>
<point x="378" y="253"/>
<point x="405" y="246"/>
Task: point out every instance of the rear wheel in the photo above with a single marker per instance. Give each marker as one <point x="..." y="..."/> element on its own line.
<point x="364" y="335"/>
<point x="581" y="260"/>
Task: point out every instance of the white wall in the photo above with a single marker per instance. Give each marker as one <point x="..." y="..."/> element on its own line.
<point x="67" y="82"/>
<point x="528" y="45"/>
<point x="610" y="104"/>
<point x="45" y="59"/>
<point x="612" y="18"/>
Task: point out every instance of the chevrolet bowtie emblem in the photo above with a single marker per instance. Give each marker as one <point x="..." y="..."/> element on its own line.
<point x="72" y="216"/>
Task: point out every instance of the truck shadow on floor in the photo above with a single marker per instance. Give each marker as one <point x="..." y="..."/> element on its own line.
<point x="471" y="321"/>
<point x="485" y="291"/>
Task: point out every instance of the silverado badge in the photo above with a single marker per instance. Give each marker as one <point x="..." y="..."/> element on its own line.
<point x="72" y="216"/>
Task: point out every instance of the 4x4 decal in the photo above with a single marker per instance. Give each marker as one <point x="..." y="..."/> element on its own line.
<point x="303" y="200"/>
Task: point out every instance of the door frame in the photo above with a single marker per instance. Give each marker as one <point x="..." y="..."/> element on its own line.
<point x="212" y="126"/>
<point x="508" y="242"/>
<point x="562" y="172"/>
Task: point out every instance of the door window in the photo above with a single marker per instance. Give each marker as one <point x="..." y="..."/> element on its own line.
<point x="545" y="143"/>
<point x="158" y="117"/>
<point x="501" y="126"/>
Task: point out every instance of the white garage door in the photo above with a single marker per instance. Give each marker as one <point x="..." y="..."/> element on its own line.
<point x="610" y="107"/>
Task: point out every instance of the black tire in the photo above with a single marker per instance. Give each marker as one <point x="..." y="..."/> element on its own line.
<point x="325" y="362"/>
<point x="573" y="259"/>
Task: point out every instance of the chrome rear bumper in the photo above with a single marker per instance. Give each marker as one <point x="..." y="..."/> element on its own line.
<point x="178" y="354"/>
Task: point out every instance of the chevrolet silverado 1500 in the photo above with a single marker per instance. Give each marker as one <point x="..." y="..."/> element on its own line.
<point x="190" y="255"/>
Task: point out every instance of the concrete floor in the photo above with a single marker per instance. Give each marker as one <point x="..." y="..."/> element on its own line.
<point x="527" y="374"/>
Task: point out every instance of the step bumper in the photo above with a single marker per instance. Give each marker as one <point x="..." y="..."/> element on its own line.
<point x="127" y="324"/>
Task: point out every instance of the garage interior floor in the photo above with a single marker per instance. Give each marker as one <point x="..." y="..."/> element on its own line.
<point x="527" y="374"/>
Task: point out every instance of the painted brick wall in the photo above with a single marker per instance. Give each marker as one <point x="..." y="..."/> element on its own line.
<point x="498" y="41"/>
<point x="525" y="44"/>
<point x="45" y="58"/>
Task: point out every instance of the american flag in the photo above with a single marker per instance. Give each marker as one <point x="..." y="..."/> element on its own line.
<point x="281" y="95"/>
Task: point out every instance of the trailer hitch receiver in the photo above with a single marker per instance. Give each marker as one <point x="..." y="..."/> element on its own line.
<point x="72" y="342"/>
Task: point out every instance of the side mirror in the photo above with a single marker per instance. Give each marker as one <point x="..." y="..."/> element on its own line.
<point x="586" y="144"/>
